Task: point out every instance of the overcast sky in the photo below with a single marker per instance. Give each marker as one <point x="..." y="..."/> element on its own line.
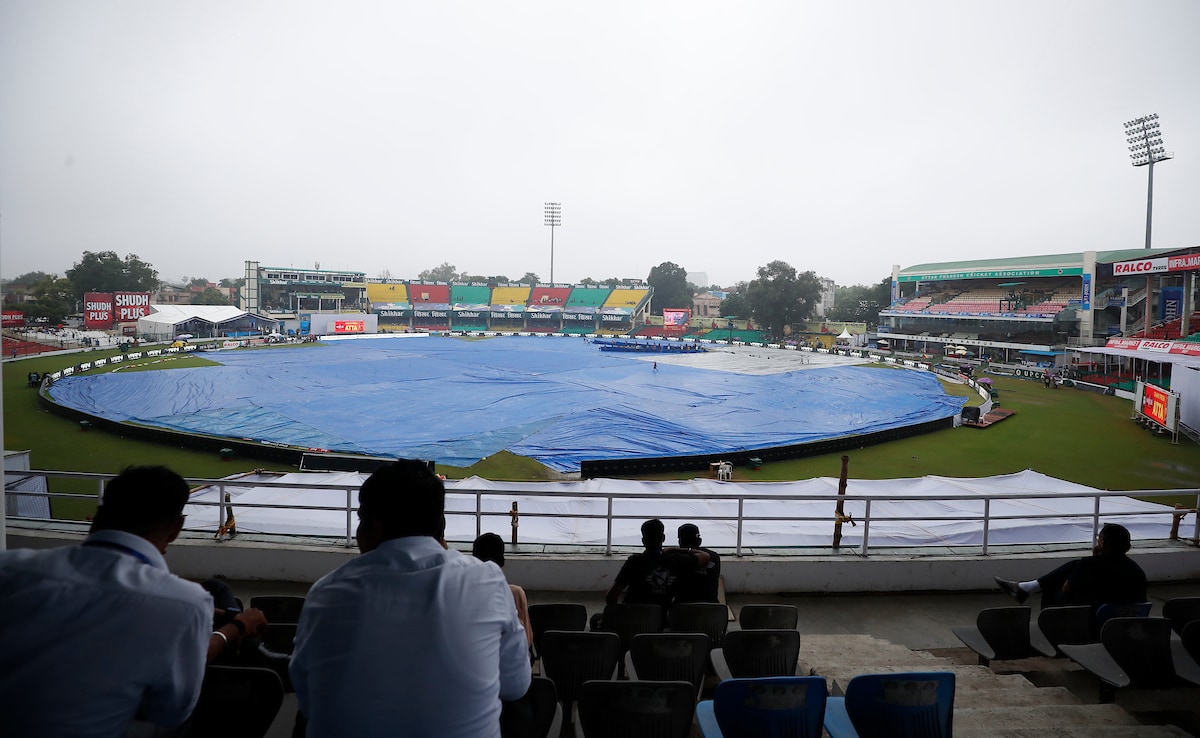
<point x="841" y="137"/>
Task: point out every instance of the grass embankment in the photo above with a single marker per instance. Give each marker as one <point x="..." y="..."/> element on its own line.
<point x="1069" y="434"/>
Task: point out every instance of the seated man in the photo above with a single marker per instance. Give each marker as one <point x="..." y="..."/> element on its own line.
<point x="409" y="638"/>
<point x="652" y="576"/>
<point x="703" y="584"/>
<point x="92" y="636"/>
<point x="1107" y="576"/>
<point x="490" y="547"/>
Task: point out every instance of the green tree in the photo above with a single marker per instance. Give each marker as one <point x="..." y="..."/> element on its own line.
<point x="447" y="272"/>
<point x="780" y="296"/>
<point x="588" y="281"/>
<point x="104" y="271"/>
<point x="238" y="283"/>
<point x="671" y="288"/>
<point x="29" y="279"/>
<point x="54" y="299"/>
<point x="529" y="278"/>
<point x="197" y="282"/>
<point x="861" y="303"/>
<point x="735" y="304"/>
<point x="212" y="296"/>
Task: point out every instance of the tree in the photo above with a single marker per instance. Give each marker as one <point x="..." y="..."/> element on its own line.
<point x="29" y="279"/>
<point x="447" y="272"/>
<point x="780" y="296"/>
<point x="197" y="282"/>
<point x="588" y="281"/>
<point x="238" y="283"/>
<point x="54" y="299"/>
<point x="861" y="303"/>
<point x="212" y="296"/>
<point x="671" y="288"/>
<point x="104" y="271"/>
<point x="735" y="304"/>
<point x="529" y="278"/>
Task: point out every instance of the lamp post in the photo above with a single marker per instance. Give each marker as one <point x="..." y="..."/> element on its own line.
<point x="553" y="218"/>
<point x="1145" y="148"/>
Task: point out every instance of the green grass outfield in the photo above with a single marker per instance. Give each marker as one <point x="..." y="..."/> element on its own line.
<point x="1079" y="436"/>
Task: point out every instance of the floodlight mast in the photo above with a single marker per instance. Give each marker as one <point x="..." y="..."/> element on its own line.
<point x="1146" y="148"/>
<point x="553" y="218"/>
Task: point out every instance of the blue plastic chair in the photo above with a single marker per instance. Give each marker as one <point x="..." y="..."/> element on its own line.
<point x="907" y="705"/>
<point x="781" y="707"/>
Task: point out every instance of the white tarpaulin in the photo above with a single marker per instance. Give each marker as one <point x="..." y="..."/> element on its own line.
<point x="904" y="512"/>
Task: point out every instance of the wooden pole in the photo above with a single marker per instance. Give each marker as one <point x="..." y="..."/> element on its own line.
<point x="840" y="515"/>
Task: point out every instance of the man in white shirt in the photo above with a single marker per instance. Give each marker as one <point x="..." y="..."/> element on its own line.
<point x="92" y="636"/>
<point x="408" y="639"/>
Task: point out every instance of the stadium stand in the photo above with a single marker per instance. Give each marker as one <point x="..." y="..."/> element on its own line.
<point x="622" y="298"/>
<point x="550" y="296"/>
<point x="588" y="296"/>
<point x="464" y="297"/>
<point x="428" y="295"/>
<point x="503" y="297"/>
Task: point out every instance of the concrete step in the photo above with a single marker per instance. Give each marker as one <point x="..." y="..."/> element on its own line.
<point x="1070" y="731"/>
<point x="1041" y="715"/>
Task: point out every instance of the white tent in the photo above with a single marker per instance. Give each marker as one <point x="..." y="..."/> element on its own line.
<point x="201" y="320"/>
<point x="845" y="334"/>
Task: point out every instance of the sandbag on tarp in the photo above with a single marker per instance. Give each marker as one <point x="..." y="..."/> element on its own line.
<point x="557" y="400"/>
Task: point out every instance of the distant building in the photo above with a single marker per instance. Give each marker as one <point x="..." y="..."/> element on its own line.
<point x="707" y="304"/>
<point x="700" y="279"/>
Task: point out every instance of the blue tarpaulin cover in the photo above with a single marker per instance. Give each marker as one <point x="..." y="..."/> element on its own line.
<point x="456" y="401"/>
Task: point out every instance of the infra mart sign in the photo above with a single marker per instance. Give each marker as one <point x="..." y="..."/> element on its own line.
<point x="1157" y="265"/>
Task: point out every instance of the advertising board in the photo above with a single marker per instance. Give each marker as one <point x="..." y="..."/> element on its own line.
<point x="13" y="319"/>
<point x="97" y="310"/>
<point x="1155" y="404"/>
<point x="676" y="317"/>
<point x="349" y="326"/>
<point x="130" y="306"/>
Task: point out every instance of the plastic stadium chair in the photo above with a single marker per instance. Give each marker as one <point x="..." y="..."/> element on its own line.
<point x="1181" y="611"/>
<point x="279" y="637"/>
<point x="757" y="653"/>
<point x="906" y="705"/>
<point x="1058" y="625"/>
<point x="537" y="714"/>
<point x="570" y="658"/>
<point x="782" y="707"/>
<point x="279" y="608"/>
<point x="768" y="617"/>
<point x="1132" y="652"/>
<point x="241" y="700"/>
<point x="999" y="634"/>
<point x="668" y="657"/>
<point x="628" y="619"/>
<point x="555" y="616"/>
<point x="1119" y="610"/>
<point x="628" y="709"/>
<point x="709" y="618"/>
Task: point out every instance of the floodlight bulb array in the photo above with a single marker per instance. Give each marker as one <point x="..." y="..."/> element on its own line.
<point x="553" y="214"/>
<point x="1145" y="139"/>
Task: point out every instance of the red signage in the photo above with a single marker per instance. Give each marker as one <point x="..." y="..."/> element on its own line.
<point x="13" y="319"/>
<point x="349" y="326"/>
<point x="97" y="310"/>
<point x="131" y="305"/>
<point x="1154" y="404"/>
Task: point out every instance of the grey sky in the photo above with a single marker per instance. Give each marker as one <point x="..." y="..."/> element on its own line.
<point x="841" y="137"/>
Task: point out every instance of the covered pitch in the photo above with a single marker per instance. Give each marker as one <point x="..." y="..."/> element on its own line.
<point x="557" y="400"/>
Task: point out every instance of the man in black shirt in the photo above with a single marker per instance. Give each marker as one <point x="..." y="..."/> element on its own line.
<point x="1108" y="576"/>
<point x="699" y="585"/>
<point x="653" y="575"/>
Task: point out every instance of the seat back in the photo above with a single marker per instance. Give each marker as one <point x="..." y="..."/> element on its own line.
<point x="241" y="699"/>
<point x="628" y="619"/>
<point x="1120" y="610"/>
<point x="555" y="616"/>
<point x="782" y="707"/>
<point x="534" y="714"/>
<point x="1181" y="611"/>
<point x="669" y="657"/>
<point x="279" y="637"/>
<point x="709" y="618"/>
<point x="641" y="709"/>
<point x="1191" y="639"/>
<point x="906" y="705"/>
<point x="279" y="608"/>
<point x="761" y="653"/>
<point x="570" y="658"/>
<point x="770" y="617"/>
<point x="1006" y="630"/>
<point x="1141" y="646"/>
<point x="1071" y="624"/>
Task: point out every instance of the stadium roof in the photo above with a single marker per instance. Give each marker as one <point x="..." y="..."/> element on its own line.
<point x="1013" y="266"/>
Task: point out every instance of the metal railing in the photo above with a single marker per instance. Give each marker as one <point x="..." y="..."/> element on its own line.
<point x="743" y="521"/>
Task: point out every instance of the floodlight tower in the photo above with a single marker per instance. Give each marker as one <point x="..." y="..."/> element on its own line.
<point x="1146" y="148"/>
<point x="553" y="218"/>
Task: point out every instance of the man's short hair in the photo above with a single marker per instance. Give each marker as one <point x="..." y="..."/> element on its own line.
<point x="654" y="530"/>
<point x="689" y="532"/>
<point x="406" y="499"/>
<point x="140" y="498"/>
<point x="1116" y="538"/>
<point x="489" y="547"/>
